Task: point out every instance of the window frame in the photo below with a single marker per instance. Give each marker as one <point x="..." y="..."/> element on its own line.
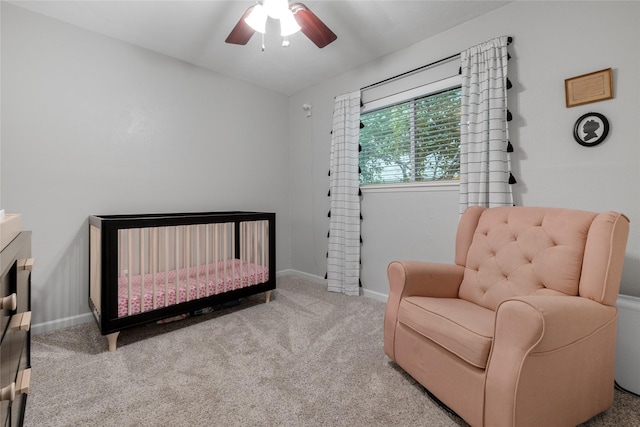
<point x="406" y="96"/>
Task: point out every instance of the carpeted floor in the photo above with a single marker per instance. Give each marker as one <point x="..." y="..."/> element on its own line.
<point x="308" y="358"/>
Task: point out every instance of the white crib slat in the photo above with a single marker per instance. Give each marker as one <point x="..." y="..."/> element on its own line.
<point x="130" y="263"/>
<point x="188" y="261"/>
<point x="224" y="257"/>
<point x="233" y="256"/>
<point x="155" y="252"/>
<point x="216" y="242"/>
<point x="265" y="246"/>
<point x="176" y="249"/>
<point x="121" y="252"/>
<point x="206" y="257"/>
<point x="255" y="251"/>
<point x="141" y="271"/>
<point x="197" y="260"/>
<point x="166" y="266"/>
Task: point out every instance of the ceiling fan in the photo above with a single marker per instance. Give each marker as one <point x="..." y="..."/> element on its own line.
<point x="293" y="18"/>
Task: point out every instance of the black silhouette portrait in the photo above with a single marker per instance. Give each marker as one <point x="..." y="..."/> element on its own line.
<point x="590" y="128"/>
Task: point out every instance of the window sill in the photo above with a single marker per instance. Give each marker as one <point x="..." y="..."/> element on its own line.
<point x="411" y="186"/>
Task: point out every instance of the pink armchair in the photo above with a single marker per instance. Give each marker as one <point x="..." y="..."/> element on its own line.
<point x="521" y="330"/>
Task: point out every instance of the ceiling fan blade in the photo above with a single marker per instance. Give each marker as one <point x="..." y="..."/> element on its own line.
<point x="312" y="26"/>
<point x="242" y="32"/>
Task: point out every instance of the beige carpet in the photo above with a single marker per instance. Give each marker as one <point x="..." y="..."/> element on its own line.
<point x="308" y="358"/>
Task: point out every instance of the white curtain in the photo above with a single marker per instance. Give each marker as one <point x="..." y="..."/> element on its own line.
<point x="343" y="259"/>
<point x="484" y="159"/>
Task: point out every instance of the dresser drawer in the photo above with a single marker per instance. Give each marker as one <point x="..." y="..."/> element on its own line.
<point x="13" y="355"/>
<point x="15" y="339"/>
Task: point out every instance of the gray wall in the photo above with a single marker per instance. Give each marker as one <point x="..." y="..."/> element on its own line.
<point x="91" y="125"/>
<point x="552" y="41"/>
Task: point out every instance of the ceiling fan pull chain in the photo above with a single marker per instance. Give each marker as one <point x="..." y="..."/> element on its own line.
<point x="263" y="42"/>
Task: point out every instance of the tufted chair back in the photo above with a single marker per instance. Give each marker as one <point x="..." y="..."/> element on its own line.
<point x="518" y="251"/>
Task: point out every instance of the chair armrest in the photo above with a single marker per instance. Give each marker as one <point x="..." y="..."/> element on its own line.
<point x="415" y="278"/>
<point x="533" y="336"/>
<point x="427" y="279"/>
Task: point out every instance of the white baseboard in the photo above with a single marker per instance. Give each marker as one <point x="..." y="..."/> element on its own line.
<point x="302" y="274"/>
<point x="312" y="277"/>
<point x="53" y="325"/>
<point x="375" y="295"/>
<point x="79" y="319"/>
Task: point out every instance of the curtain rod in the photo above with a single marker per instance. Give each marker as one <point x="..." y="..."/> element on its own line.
<point x="411" y="71"/>
<point x="509" y="39"/>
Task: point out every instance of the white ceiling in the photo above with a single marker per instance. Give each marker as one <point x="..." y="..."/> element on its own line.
<point x="194" y="31"/>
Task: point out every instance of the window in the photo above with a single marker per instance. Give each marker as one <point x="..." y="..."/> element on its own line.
<point x="416" y="140"/>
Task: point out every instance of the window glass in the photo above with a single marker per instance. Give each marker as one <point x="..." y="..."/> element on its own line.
<point x="413" y="141"/>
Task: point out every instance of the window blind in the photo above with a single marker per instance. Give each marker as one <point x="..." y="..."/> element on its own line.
<point x="413" y="141"/>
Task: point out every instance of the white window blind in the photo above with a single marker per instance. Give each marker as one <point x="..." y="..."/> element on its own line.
<point x="415" y="140"/>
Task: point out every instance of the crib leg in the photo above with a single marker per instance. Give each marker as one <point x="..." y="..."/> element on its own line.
<point x="268" y="296"/>
<point x="113" y="339"/>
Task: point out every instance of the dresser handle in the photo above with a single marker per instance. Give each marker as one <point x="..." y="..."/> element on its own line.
<point x="8" y="392"/>
<point x="26" y="264"/>
<point x="23" y="381"/>
<point x="20" y="322"/>
<point x="9" y="302"/>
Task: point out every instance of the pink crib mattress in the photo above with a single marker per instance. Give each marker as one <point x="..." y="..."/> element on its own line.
<point x="222" y="277"/>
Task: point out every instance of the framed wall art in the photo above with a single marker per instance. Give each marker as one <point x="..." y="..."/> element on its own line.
<point x="591" y="129"/>
<point x="592" y="87"/>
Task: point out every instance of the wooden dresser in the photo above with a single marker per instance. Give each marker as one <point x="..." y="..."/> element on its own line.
<point x="15" y="347"/>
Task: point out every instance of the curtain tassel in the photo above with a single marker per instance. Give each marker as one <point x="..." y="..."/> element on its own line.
<point x="329" y="174"/>
<point x="361" y="125"/>
<point x="512" y="179"/>
<point x="359" y="192"/>
<point x="329" y="193"/>
<point x="509" y="85"/>
<point x="509" y="116"/>
<point x="509" y="147"/>
<point x="328" y="234"/>
<point x="329" y="214"/>
<point x="326" y="276"/>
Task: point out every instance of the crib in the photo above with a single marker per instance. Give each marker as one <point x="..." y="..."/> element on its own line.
<point x="153" y="267"/>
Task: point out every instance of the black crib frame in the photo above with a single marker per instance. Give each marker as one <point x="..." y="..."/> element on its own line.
<point x="109" y="225"/>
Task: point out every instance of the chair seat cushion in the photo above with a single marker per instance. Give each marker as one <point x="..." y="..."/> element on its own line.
<point x="460" y="326"/>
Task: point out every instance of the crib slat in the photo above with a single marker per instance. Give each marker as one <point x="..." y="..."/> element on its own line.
<point x="224" y="241"/>
<point x="141" y="271"/>
<point x="233" y="257"/>
<point x="255" y="250"/>
<point x="176" y="249"/>
<point x="130" y="263"/>
<point x="155" y="254"/>
<point x="166" y="266"/>
<point x="206" y="256"/>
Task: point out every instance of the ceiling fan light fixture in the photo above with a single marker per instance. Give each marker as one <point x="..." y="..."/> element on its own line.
<point x="288" y="24"/>
<point x="276" y="8"/>
<point x="257" y="19"/>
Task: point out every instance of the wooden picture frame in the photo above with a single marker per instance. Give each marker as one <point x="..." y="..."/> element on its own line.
<point x="592" y="87"/>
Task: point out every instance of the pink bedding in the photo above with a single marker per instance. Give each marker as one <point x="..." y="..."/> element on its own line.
<point x="238" y="274"/>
